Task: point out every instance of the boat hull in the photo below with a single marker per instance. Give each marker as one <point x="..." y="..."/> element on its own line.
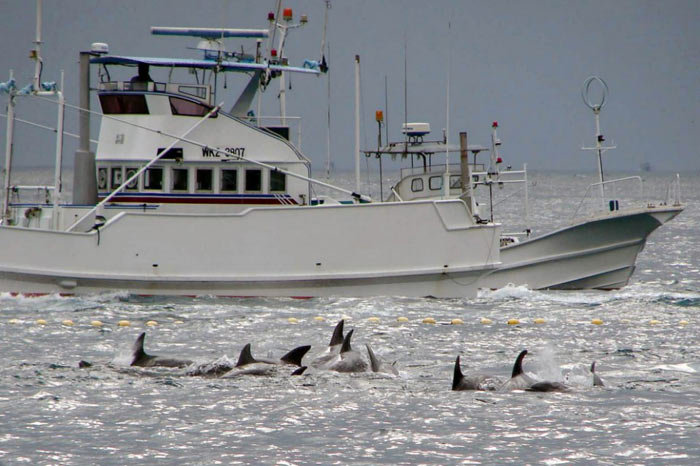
<point x="598" y="253"/>
<point x="284" y="251"/>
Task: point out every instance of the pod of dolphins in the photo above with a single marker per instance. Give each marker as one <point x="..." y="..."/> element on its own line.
<point x="339" y="356"/>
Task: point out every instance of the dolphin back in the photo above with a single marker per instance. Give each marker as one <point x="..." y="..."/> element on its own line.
<point x="294" y="356"/>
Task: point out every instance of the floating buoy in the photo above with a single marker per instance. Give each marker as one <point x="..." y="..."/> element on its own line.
<point x="457" y="321"/>
<point x="292" y="320"/>
<point x="68" y="323"/>
<point x="124" y="323"/>
<point x="178" y="322"/>
<point x="597" y="321"/>
<point x="40" y="322"/>
<point x="539" y="320"/>
<point x="428" y="320"/>
<point x="96" y="323"/>
<point x="151" y="323"/>
<point x="654" y="322"/>
<point x="13" y="321"/>
<point x="513" y="322"/>
<point x="682" y="322"/>
<point x="319" y="318"/>
<point x="402" y="319"/>
<point x="486" y="321"/>
<point x="374" y="320"/>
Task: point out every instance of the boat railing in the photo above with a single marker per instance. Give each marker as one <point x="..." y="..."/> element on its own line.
<point x="615" y="198"/>
<point x="201" y="92"/>
<point x="33" y="194"/>
<point x="673" y="191"/>
<point x="438" y="169"/>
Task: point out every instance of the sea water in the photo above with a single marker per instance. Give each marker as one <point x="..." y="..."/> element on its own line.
<point x="646" y="348"/>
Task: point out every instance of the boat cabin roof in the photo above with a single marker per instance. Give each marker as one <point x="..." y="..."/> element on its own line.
<point x="215" y="65"/>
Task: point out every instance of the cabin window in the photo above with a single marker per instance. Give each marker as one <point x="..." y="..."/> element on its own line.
<point x="204" y="179"/>
<point x="196" y="91"/>
<point x="179" y="179"/>
<point x="417" y="185"/>
<point x="116" y="177"/>
<point x="189" y="108"/>
<point x="455" y="181"/>
<point x="229" y="180"/>
<point x="278" y="181"/>
<point x="124" y="104"/>
<point x="253" y="180"/>
<point x="102" y="178"/>
<point x="134" y="185"/>
<point x="435" y="183"/>
<point x="153" y="179"/>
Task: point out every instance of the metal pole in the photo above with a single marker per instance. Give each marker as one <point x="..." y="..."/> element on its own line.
<point x="465" y="171"/>
<point x="84" y="170"/>
<point x="357" y="123"/>
<point x="57" y="182"/>
<point x="36" y="55"/>
<point x="599" y="149"/>
<point x="9" y="145"/>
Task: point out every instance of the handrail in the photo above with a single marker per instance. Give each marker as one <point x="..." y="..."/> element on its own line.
<point x="612" y="182"/>
<point x="676" y="193"/>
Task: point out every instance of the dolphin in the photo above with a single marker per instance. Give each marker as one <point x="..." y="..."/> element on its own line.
<point x="597" y="381"/>
<point x="473" y="382"/>
<point x="333" y="347"/>
<point x="378" y="366"/>
<point x="521" y="381"/>
<point x="141" y="359"/>
<point x="293" y="357"/>
<point x="348" y="360"/>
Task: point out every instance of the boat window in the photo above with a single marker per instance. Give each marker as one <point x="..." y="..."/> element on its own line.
<point x="253" y="180"/>
<point x="134" y="185"/>
<point x="179" y="179"/>
<point x="204" y="179"/>
<point x="102" y="178"/>
<point x="116" y="177"/>
<point x="455" y="181"/>
<point x="195" y="91"/>
<point x="123" y="104"/>
<point x="153" y="179"/>
<point x="417" y="185"/>
<point x="435" y="183"/>
<point x="229" y="180"/>
<point x="188" y="108"/>
<point x="278" y="181"/>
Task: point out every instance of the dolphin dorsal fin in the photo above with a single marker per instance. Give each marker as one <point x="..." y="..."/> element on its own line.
<point x="245" y="357"/>
<point x="337" y="337"/>
<point x="137" y="350"/>
<point x="374" y="362"/>
<point x="299" y="371"/>
<point x="294" y="357"/>
<point x="518" y="366"/>
<point x="593" y="367"/>
<point x="346" y="342"/>
<point x="458" y="376"/>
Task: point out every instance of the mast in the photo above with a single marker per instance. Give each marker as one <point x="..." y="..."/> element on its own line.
<point x="357" y="123"/>
<point x="599" y="138"/>
<point x="9" y="145"/>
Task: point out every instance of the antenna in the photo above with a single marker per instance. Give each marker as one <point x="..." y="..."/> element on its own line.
<point x="596" y="107"/>
<point x="446" y="177"/>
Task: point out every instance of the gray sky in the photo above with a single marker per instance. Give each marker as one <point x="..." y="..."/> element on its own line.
<point x="521" y="63"/>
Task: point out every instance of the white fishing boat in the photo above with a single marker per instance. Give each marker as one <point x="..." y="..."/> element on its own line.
<point x="597" y="250"/>
<point x="184" y="198"/>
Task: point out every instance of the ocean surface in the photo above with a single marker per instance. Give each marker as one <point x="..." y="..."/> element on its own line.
<point x="646" y="345"/>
